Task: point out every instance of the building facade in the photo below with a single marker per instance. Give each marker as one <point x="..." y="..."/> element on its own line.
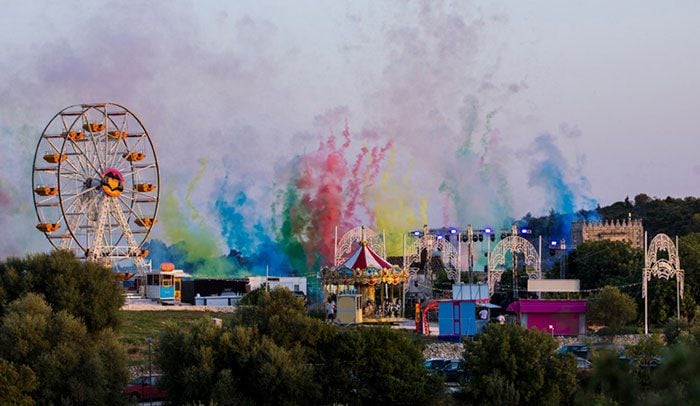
<point x="629" y="231"/>
<point x="293" y="283"/>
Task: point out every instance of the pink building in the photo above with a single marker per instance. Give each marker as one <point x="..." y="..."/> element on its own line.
<point x="559" y="317"/>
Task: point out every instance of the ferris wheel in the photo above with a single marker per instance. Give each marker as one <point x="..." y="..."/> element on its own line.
<point x="96" y="183"/>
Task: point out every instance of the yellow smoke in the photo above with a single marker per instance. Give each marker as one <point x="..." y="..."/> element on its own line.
<point x="394" y="207"/>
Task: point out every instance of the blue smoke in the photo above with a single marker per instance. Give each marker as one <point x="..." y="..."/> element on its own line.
<point x="553" y="174"/>
<point x="251" y="245"/>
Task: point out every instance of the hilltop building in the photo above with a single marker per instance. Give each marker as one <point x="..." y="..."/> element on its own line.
<point x="629" y="231"/>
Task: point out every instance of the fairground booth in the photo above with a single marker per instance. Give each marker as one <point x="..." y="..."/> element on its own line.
<point x="556" y="317"/>
<point x="367" y="287"/>
<point x="165" y="284"/>
<point x="566" y="317"/>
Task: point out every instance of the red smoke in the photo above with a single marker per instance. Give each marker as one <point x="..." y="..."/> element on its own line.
<point x="331" y="189"/>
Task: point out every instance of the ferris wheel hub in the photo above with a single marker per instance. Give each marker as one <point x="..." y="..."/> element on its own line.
<point x="112" y="182"/>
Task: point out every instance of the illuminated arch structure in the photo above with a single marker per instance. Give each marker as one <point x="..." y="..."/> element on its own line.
<point x="430" y="243"/>
<point x="662" y="268"/>
<point x="516" y="245"/>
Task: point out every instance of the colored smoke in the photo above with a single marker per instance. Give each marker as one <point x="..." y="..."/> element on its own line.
<point x="565" y="189"/>
<point x="252" y="175"/>
<point x="326" y="193"/>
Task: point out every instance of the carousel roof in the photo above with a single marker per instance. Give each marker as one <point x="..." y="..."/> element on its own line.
<point x="366" y="258"/>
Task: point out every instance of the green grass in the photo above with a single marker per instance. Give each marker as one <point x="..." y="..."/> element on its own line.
<point x="137" y="325"/>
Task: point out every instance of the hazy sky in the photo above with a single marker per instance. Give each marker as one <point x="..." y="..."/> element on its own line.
<point x="605" y="92"/>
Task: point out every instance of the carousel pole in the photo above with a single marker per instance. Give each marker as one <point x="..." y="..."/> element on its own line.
<point x="386" y="255"/>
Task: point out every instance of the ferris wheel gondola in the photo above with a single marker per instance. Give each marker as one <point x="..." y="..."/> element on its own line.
<point x="96" y="183"/>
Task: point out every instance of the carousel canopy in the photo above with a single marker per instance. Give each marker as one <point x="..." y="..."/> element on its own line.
<point x="364" y="267"/>
<point x="366" y="258"/>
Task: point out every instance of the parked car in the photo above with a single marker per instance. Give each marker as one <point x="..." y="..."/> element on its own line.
<point x="642" y="362"/>
<point x="453" y="370"/>
<point x="435" y="364"/>
<point x="579" y="350"/>
<point x="582" y="363"/>
<point x="144" y="387"/>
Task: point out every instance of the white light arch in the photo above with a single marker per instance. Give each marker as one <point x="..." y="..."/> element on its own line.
<point x="514" y="244"/>
<point x="662" y="269"/>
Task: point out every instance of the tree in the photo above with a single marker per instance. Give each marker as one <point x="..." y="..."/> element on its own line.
<point x="662" y="301"/>
<point x="70" y="364"/>
<point x="512" y="365"/>
<point x="281" y="315"/>
<point x="612" y="381"/>
<point x="16" y="384"/>
<point x="677" y="379"/>
<point x="84" y="289"/>
<point x="645" y="356"/>
<point x="232" y="366"/>
<point x="600" y="306"/>
<point x="376" y="365"/>
<point x="600" y="263"/>
<point x="689" y="252"/>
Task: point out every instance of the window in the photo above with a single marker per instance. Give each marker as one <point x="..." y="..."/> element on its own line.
<point x="139" y="380"/>
<point x="296" y="287"/>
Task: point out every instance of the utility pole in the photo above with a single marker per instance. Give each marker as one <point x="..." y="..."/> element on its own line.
<point x="149" y="340"/>
<point x="470" y="258"/>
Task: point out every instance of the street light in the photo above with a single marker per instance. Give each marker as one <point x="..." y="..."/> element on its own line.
<point x="551" y="328"/>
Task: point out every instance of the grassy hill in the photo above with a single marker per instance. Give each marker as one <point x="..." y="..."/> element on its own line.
<point x="138" y="325"/>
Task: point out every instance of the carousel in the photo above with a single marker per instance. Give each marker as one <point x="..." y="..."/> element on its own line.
<point x="367" y="287"/>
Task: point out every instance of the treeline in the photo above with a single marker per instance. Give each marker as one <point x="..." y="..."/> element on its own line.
<point x="672" y="216"/>
<point x="273" y="353"/>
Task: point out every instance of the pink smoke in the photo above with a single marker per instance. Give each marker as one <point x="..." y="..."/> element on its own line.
<point x="331" y="189"/>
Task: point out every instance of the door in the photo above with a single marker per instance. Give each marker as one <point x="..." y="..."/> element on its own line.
<point x="178" y="282"/>
<point x="456" y="318"/>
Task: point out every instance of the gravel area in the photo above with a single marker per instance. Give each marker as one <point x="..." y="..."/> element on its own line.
<point x="157" y="307"/>
<point x="456" y="350"/>
<point x="141" y="304"/>
<point x="443" y="350"/>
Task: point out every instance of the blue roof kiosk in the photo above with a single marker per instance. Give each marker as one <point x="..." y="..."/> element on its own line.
<point x="457" y="317"/>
